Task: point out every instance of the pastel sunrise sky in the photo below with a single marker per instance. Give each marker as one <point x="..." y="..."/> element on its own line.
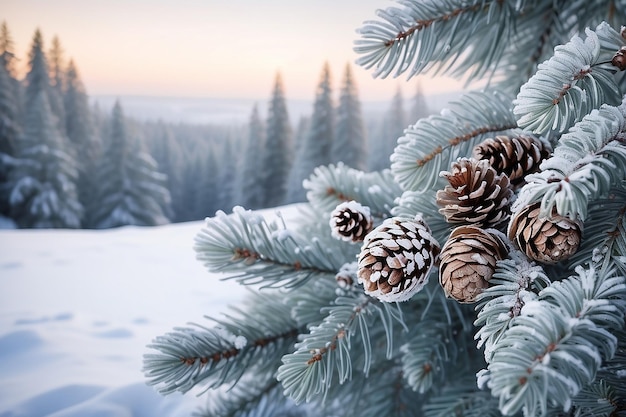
<point x="206" y="48"/>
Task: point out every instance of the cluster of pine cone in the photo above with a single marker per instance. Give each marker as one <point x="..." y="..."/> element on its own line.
<point x="397" y="256"/>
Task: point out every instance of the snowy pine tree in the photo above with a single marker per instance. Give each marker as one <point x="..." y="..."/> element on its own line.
<point x="419" y="106"/>
<point x="250" y="194"/>
<point x="349" y="145"/>
<point x="43" y="184"/>
<point x="132" y="191"/>
<point x="43" y="193"/>
<point x="316" y="147"/>
<point x="57" y="70"/>
<point x="383" y="144"/>
<point x="225" y="176"/>
<point x="9" y="61"/>
<point x="166" y="150"/>
<point x="276" y="156"/>
<point x="82" y="136"/>
<point x="203" y="179"/>
<point x="493" y="281"/>
<point x="9" y="132"/>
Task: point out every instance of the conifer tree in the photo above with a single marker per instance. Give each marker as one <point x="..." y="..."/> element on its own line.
<point x="491" y="277"/>
<point x="132" y="191"/>
<point x="9" y="132"/>
<point x="316" y="147"/>
<point x="43" y="193"/>
<point x="37" y="80"/>
<point x="383" y="144"/>
<point x="57" y="75"/>
<point x="166" y="150"/>
<point x="43" y="185"/>
<point x="9" y="61"/>
<point x="249" y="193"/>
<point x="225" y="177"/>
<point x="349" y="145"/>
<point x="82" y="136"/>
<point x="276" y="157"/>
<point x="419" y="106"/>
<point x="205" y="194"/>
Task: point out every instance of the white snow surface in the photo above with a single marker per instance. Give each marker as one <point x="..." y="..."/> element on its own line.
<point x="77" y="309"/>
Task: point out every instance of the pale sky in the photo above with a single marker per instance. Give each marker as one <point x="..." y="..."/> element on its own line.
<point x="207" y="48"/>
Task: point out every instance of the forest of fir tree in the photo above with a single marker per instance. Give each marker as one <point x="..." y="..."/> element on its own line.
<point x="67" y="163"/>
<point x="483" y="273"/>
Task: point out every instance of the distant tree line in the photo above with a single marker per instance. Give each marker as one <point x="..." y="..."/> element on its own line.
<point x="67" y="164"/>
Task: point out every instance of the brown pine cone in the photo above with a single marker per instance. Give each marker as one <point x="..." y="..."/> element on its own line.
<point x="477" y="194"/>
<point x="350" y="221"/>
<point x="467" y="262"/>
<point x="514" y="156"/>
<point x="545" y="239"/>
<point x="396" y="258"/>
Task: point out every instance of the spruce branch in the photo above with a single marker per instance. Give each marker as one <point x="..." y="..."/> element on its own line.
<point x="430" y="146"/>
<point x="426" y="354"/>
<point x="587" y="162"/>
<point x="419" y="36"/>
<point x="383" y="394"/>
<point x="331" y="185"/>
<point x="597" y="399"/>
<point x="326" y="355"/>
<point x="515" y="282"/>
<point x="604" y="234"/>
<point x="461" y="398"/>
<point x="252" y="397"/>
<point x="577" y="79"/>
<point x="258" y="252"/>
<point x="555" y="347"/>
<point x="211" y="357"/>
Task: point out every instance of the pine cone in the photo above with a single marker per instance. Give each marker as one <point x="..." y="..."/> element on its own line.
<point x="396" y="258"/>
<point x="477" y="194"/>
<point x="346" y="277"/>
<point x="514" y="156"/>
<point x="350" y="221"/>
<point x="619" y="59"/>
<point x="545" y="239"/>
<point x="468" y="260"/>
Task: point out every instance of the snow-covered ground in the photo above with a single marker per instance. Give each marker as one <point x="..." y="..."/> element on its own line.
<point x="77" y="309"/>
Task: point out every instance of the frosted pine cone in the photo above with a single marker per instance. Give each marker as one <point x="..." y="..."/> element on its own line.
<point x="514" y="156"/>
<point x="396" y="258"/>
<point x="477" y="194"/>
<point x="350" y="221"/>
<point x="545" y="239"/>
<point x="467" y="262"/>
<point x="346" y="277"/>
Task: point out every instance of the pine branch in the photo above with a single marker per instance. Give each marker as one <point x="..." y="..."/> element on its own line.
<point x="461" y="398"/>
<point x="421" y="36"/>
<point x="430" y="146"/>
<point x="577" y="79"/>
<point x="264" y="253"/>
<point x="211" y="357"/>
<point x="587" y="162"/>
<point x="515" y="282"/>
<point x="331" y="185"/>
<point x="308" y="302"/>
<point x="597" y="399"/>
<point x="556" y="346"/>
<point x="425" y="355"/>
<point x="252" y="398"/>
<point x="383" y="394"/>
<point x="309" y="372"/>
<point x="604" y="234"/>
